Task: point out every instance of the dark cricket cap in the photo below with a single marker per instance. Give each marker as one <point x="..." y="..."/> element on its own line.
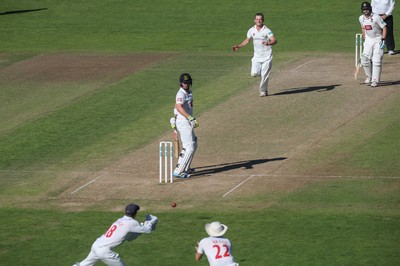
<point x="131" y="209"/>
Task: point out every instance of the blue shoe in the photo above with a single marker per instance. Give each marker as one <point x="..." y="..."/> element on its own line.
<point x="183" y="175"/>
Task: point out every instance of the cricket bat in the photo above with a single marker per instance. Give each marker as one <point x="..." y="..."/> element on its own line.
<point x="177" y="144"/>
<point x="356" y="72"/>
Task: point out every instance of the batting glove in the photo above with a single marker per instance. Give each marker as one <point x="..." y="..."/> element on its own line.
<point x="383" y="44"/>
<point x="172" y="122"/>
<point x="193" y="122"/>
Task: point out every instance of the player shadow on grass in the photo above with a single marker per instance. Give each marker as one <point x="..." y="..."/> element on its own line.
<point x="218" y="168"/>
<point x="308" y="89"/>
<point x="21" y="11"/>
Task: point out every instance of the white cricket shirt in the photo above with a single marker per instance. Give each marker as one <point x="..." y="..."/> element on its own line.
<point x="260" y="51"/>
<point x="186" y="99"/>
<point x="218" y="251"/>
<point x="372" y="26"/>
<point x="383" y="6"/>
<point x="125" y="228"/>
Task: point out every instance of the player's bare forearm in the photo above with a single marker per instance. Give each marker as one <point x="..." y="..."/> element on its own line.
<point x="384" y="31"/>
<point x="272" y="41"/>
<point x="240" y="45"/>
<point x="198" y="256"/>
<point x="181" y="110"/>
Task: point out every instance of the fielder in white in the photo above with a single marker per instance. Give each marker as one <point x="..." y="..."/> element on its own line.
<point x="374" y="33"/>
<point x="217" y="248"/>
<point x="261" y="63"/>
<point x="185" y="124"/>
<point x="125" y="228"/>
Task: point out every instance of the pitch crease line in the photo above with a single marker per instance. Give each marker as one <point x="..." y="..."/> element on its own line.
<point x="306" y="63"/>
<point x="250" y="177"/>
<point x="88" y="183"/>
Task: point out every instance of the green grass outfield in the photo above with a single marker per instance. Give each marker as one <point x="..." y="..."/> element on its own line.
<point x="126" y="26"/>
<point x="346" y="221"/>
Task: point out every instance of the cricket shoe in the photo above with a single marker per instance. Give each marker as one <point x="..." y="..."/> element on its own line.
<point x="191" y="171"/>
<point x="391" y="52"/>
<point x="182" y="175"/>
<point x="263" y="94"/>
<point x="367" y="80"/>
<point x="374" y="84"/>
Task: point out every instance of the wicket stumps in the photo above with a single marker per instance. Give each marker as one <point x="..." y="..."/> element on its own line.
<point x="166" y="151"/>
<point x="359" y="46"/>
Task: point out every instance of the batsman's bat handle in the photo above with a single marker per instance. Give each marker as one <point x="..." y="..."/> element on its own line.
<point x="176" y="149"/>
<point x="176" y="144"/>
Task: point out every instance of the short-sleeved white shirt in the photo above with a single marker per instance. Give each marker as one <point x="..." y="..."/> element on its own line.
<point x="186" y="99"/>
<point x="372" y="26"/>
<point x="125" y="228"/>
<point x="260" y="51"/>
<point x="383" y="6"/>
<point x="218" y="251"/>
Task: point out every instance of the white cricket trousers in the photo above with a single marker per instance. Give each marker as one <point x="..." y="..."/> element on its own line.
<point x="105" y="254"/>
<point x="371" y="58"/>
<point x="261" y="67"/>
<point x="189" y="145"/>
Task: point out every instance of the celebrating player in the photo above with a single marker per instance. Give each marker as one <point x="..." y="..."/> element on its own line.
<point x="374" y="32"/>
<point x="185" y="124"/>
<point x="261" y="63"/>
<point x="217" y="248"/>
<point x="125" y="228"/>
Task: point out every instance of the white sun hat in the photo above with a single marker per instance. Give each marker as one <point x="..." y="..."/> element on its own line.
<point x="216" y="229"/>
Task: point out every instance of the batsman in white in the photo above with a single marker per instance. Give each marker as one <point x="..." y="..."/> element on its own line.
<point x="125" y="228"/>
<point x="217" y="248"/>
<point x="261" y="63"/>
<point x="185" y="125"/>
<point x="374" y="33"/>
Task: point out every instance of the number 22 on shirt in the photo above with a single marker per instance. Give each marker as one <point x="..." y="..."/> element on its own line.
<point x="222" y="251"/>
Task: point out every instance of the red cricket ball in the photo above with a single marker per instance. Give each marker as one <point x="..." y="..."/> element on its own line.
<point x="173" y="204"/>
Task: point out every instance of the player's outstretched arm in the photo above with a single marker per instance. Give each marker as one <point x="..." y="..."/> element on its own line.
<point x="240" y="45"/>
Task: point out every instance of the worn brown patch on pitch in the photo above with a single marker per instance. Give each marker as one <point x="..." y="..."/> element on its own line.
<point x="77" y="67"/>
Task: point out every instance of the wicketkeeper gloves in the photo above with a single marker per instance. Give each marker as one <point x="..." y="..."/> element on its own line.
<point x="152" y="220"/>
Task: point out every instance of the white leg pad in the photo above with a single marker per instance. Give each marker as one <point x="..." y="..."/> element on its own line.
<point x="367" y="66"/>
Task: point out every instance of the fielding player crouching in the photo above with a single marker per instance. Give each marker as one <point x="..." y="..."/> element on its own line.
<point x="217" y="248"/>
<point x="125" y="228"/>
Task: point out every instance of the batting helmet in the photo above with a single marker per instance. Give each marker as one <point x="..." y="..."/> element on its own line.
<point x="366" y="5"/>
<point x="185" y="78"/>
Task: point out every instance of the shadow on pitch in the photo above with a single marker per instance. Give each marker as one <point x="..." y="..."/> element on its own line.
<point x="389" y="83"/>
<point x="21" y="11"/>
<point x="218" y="168"/>
<point x="307" y="89"/>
